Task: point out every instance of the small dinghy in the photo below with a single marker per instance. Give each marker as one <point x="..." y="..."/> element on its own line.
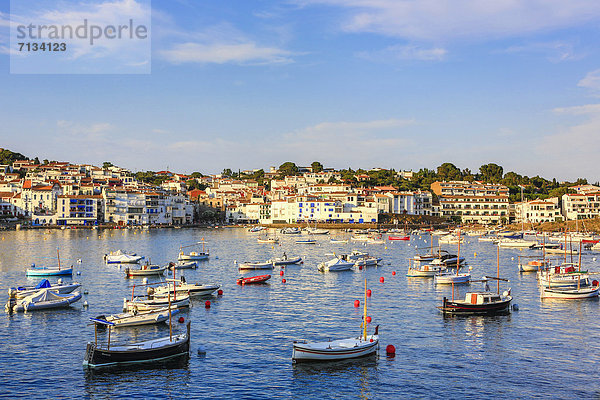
<point x="42" y="300"/>
<point x="390" y="237"/>
<point x="306" y="241"/>
<point x="183" y="265"/>
<point x="200" y="254"/>
<point x="253" y="279"/>
<point x="271" y="240"/>
<point x="183" y="288"/>
<point x="339" y="349"/>
<point x="140" y="304"/>
<point x="255" y="265"/>
<point x="336" y="265"/>
<point x="60" y="288"/>
<point x="139" y="318"/>
<point x="49" y="271"/>
<point x="285" y="260"/>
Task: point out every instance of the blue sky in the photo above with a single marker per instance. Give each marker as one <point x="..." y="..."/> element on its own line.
<point x="356" y="83"/>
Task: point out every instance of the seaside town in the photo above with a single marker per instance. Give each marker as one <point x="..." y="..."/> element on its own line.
<point x="63" y="194"/>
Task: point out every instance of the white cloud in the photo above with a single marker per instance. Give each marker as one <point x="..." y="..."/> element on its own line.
<point x="405" y="52"/>
<point x="591" y="81"/>
<point x="556" y="51"/>
<point x="221" y="53"/>
<point x="445" y="20"/>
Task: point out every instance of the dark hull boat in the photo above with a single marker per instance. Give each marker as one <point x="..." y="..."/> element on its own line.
<point x="473" y="305"/>
<point x="137" y="353"/>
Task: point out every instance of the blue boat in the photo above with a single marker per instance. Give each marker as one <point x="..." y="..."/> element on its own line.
<point x="49" y="271"/>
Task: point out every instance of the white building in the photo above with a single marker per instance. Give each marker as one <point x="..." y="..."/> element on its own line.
<point x="580" y="205"/>
<point x="537" y="211"/>
<point x="78" y="210"/>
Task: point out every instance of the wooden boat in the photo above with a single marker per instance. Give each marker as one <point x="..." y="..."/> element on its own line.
<point x="198" y="255"/>
<point x="562" y="276"/>
<point x="570" y="293"/>
<point x="271" y="240"/>
<point x="121" y="257"/>
<point x="145" y="270"/>
<point x="137" y="304"/>
<point x="255" y="265"/>
<point x="480" y="302"/>
<point x="516" y="243"/>
<point x="60" y="288"/>
<point x="450" y="239"/>
<point x="139" y="318"/>
<point x="340" y="349"/>
<point x="49" y="271"/>
<point x="149" y="351"/>
<point x="336" y="265"/>
<point x="183" y="265"/>
<point x="285" y="260"/>
<point x="42" y="300"/>
<point x="390" y="237"/>
<point x="306" y="241"/>
<point x="446" y="277"/>
<point x="333" y="240"/>
<point x="253" y="279"/>
<point x="420" y="270"/>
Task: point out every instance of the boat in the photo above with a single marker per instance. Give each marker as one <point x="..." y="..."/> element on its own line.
<point x="257" y="229"/>
<point x="137" y="304"/>
<point x="253" y="279"/>
<point x="334" y="240"/>
<point x="291" y="231"/>
<point x="563" y="276"/>
<point x="306" y="241"/>
<point x="317" y="231"/>
<point x="354" y="255"/>
<point x="255" y="265"/>
<point x="480" y="302"/>
<point x="367" y="261"/>
<point x="197" y="255"/>
<point x="149" y="351"/>
<point x="375" y="240"/>
<point x="336" y="265"/>
<point x="145" y="270"/>
<point x="139" y="318"/>
<point x="447" y="277"/>
<point x="285" y="260"/>
<point x="50" y="271"/>
<point x="420" y="270"/>
<point x="183" y="265"/>
<point x="60" y="288"/>
<point x="42" y="300"/>
<point x="390" y="237"/>
<point x="533" y="265"/>
<point x="181" y="287"/>
<point x="121" y="257"/>
<point x="340" y="349"/>
<point x="450" y="239"/>
<point x="268" y="240"/>
<point x="516" y="243"/>
<point x="586" y="292"/>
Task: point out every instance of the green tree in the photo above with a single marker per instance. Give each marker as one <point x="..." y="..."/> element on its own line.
<point x="288" y="168"/>
<point x="8" y="157"/>
<point x="227" y="173"/>
<point x="107" y="164"/>
<point x="196" y="175"/>
<point x="316" y="166"/>
<point x="36" y="161"/>
<point x="449" y="172"/>
<point x="491" y="172"/>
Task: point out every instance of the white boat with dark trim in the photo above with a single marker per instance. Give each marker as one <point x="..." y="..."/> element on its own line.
<point x="285" y="260"/>
<point x="336" y="265"/>
<point x="122" y="257"/>
<point x="255" y="265"/>
<point x="59" y="287"/>
<point x="183" y="288"/>
<point x="183" y="265"/>
<point x="145" y="270"/>
<point x="145" y="304"/>
<point x="139" y="318"/>
<point x="42" y="300"/>
<point x="196" y="255"/>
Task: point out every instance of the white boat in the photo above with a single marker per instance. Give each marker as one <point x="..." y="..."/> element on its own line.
<point x="42" y="300"/>
<point x="420" y="270"/>
<point x="145" y="270"/>
<point x="257" y="229"/>
<point x="139" y="318"/>
<point x="183" y="265"/>
<point x="449" y="278"/>
<point x="595" y="247"/>
<point x="375" y="241"/>
<point x="563" y="276"/>
<point x="570" y="293"/>
<point x="361" y="238"/>
<point x="60" y="288"/>
<point x="335" y="265"/>
<point x="121" y="257"/>
<point x="317" y="231"/>
<point x="285" y="260"/>
<point x="290" y="231"/>
<point x="268" y="240"/>
<point x="306" y="241"/>
<point x="255" y="265"/>
<point x="533" y="265"/>
<point x="368" y="261"/>
<point x="340" y="349"/>
<point x="354" y="255"/>
<point x="516" y="243"/>
<point x="333" y="240"/>
<point x="184" y="288"/>
<point x="450" y="239"/>
<point x="196" y="255"/>
<point x="145" y="304"/>
<point x="487" y="239"/>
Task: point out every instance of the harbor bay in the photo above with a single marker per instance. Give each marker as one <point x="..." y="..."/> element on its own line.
<point x="241" y="346"/>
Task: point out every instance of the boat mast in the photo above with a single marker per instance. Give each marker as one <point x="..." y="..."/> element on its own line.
<point x="498" y="266"/>
<point x="170" y="324"/>
<point x="58" y="256"/>
<point x="458" y="255"/>
<point x="365" y="313"/>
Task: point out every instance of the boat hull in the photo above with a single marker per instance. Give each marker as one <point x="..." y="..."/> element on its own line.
<point x="460" y="308"/>
<point x="135" y="354"/>
<point x="570" y="294"/>
<point x="253" y="279"/>
<point x="304" y="352"/>
<point x="49" y="272"/>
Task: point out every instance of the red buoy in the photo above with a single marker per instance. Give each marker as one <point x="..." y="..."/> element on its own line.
<point x="390" y="350"/>
<point x="360" y="267"/>
<point x="356" y="303"/>
<point x="381" y="279"/>
<point x="594" y="283"/>
<point x="280" y="273"/>
<point x="207" y="304"/>
<point x="393" y="272"/>
<point x="371" y="340"/>
<point x="368" y="292"/>
<point x="181" y="320"/>
<point x="220" y="292"/>
<point x="368" y="320"/>
<point x="283" y="280"/>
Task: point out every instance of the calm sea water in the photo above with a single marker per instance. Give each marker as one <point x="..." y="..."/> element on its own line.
<point x="548" y="349"/>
